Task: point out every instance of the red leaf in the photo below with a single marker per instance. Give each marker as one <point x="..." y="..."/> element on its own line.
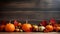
<point x="15" y="23"/>
<point x="53" y="21"/>
<point x="44" y="22"/>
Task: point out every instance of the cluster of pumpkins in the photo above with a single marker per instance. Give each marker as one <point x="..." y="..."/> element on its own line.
<point x="27" y="27"/>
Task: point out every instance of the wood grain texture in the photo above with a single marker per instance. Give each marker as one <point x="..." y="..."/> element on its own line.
<point x="34" y="15"/>
<point x="28" y="33"/>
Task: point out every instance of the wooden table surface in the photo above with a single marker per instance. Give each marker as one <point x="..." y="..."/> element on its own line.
<point x="28" y="33"/>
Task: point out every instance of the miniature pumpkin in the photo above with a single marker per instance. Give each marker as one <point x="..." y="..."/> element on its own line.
<point x="20" y="30"/>
<point x="9" y="27"/>
<point x="35" y="27"/>
<point x="27" y="27"/>
<point x="17" y="30"/>
<point x="59" y="25"/>
<point x="41" y="28"/>
<point x="49" y="27"/>
<point x="57" y="28"/>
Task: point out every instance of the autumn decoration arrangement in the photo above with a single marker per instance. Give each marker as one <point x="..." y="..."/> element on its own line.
<point x="43" y="26"/>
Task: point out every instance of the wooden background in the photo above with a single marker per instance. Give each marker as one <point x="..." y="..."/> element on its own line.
<point x="36" y="10"/>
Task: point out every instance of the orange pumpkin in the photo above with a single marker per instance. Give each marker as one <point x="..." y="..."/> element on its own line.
<point x="9" y="27"/>
<point x="49" y="27"/>
<point x="57" y="28"/>
<point x="2" y="27"/>
<point x="27" y="27"/>
<point x="59" y="25"/>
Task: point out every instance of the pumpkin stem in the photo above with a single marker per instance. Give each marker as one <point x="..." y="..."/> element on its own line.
<point x="40" y="24"/>
<point x="9" y="21"/>
<point x="26" y="21"/>
<point x="49" y="24"/>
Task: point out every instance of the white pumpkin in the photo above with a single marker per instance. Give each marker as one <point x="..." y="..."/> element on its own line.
<point x="41" y="28"/>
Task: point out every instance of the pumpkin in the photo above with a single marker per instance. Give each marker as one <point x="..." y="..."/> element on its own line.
<point x="41" y="28"/>
<point x="57" y="29"/>
<point x="20" y="30"/>
<point x="49" y="27"/>
<point x="59" y="25"/>
<point x="17" y="30"/>
<point x="27" y="27"/>
<point x="2" y="27"/>
<point x="35" y="27"/>
<point x="9" y="27"/>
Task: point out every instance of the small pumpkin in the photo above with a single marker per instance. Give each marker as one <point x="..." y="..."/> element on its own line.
<point x="27" y="27"/>
<point x="49" y="27"/>
<point x="9" y="27"/>
<point x="41" y="28"/>
<point x="17" y="30"/>
<point x="20" y="30"/>
<point x="35" y="27"/>
<point x="57" y="28"/>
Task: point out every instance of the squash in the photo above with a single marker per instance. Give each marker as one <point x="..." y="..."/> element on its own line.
<point x="49" y="27"/>
<point x="9" y="27"/>
<point x="35" y="28"/>
<point x="17" y="30"/>
<point x="27" y="27"/>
